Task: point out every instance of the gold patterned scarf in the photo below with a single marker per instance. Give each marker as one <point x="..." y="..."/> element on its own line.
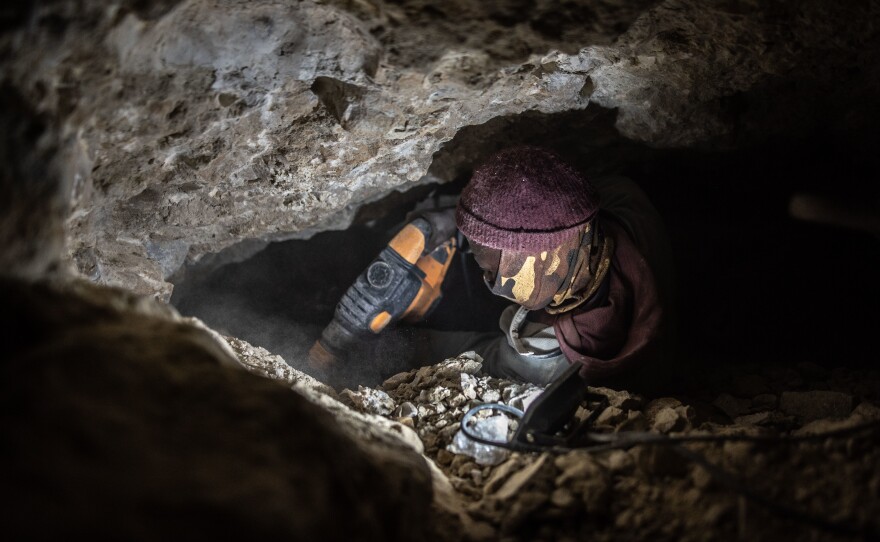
<point x="557" y="280"/>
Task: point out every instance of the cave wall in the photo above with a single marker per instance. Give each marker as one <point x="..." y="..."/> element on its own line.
<point x="137" y="136"/>
<point x="188" y="127"/>
<point x="122" y="420"/>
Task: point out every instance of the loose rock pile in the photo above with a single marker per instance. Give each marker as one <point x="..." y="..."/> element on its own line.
<point x="652" y="491"/>
<point x="433" y="399"/>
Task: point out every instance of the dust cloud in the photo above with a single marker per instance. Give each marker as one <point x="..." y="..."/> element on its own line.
<point x="283" y="297"/>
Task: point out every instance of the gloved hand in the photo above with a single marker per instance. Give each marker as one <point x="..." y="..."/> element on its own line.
<point x="554" y="407"/>
<point x="442" y="223"/>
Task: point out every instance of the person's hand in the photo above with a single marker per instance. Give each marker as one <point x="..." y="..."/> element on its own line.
<point x="442" y="222"/>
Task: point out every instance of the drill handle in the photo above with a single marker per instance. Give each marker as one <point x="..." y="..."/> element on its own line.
<point x="441" y="225"/>
<point x="433" y="268"/>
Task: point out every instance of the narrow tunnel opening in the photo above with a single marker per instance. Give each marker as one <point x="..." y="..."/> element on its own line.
<point x="754" y="283"/>
<point x="282" y="297"/>
<point x="776" y="315"/>
<point x="173" y="128"/>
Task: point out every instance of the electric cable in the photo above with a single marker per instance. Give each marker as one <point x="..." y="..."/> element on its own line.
<point x="616" y="441"/>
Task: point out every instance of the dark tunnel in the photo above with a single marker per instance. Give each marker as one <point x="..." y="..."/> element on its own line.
<point x="754" y="283"/>
<point x="188" y="188"/>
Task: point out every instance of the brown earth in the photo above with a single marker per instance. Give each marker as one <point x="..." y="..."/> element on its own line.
<point x="651" y="492"/>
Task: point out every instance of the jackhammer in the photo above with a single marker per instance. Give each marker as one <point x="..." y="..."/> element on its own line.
<point x="401" y="284"/>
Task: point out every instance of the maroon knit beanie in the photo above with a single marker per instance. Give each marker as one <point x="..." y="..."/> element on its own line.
<point x="525" y="199"/>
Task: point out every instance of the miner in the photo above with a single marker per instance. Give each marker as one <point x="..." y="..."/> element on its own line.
<point x="587" y="265"/>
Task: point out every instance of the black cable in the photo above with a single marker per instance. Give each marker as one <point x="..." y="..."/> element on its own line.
<point x="617" y="441"/>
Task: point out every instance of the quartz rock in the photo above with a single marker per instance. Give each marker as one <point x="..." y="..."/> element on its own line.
<point x="492" y="428"/>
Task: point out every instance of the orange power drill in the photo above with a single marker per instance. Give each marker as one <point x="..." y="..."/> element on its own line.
<point x="402" y="283"/>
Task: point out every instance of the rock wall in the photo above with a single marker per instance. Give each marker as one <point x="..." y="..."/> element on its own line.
<point x="122" y="420"/>
<point x="188" y="127"/>
<point x="137" y="136"/>
<point x="32" y="202"/>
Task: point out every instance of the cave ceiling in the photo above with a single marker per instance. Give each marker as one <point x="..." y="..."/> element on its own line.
<point x="190" y="127"/>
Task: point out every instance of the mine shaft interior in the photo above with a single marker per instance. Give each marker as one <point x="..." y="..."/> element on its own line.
<point x="190" y="188"/>
<point x="744" y="261"/>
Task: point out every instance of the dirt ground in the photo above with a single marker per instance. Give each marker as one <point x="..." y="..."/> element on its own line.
<point x="653" y="492"/>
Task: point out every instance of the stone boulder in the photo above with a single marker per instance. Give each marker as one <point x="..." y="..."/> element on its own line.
<point x="123" y="420"/>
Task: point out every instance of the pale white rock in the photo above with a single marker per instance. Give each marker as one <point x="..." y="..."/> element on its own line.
<point x="492" y="428"/>
<point x="469" y="386"/>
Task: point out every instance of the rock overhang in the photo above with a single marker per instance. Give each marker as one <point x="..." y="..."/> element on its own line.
<point x="201" y="128"/>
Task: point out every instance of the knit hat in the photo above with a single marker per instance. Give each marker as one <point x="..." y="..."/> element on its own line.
<point x="525" y="199"/>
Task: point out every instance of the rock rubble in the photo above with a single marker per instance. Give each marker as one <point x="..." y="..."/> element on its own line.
<point x="652" y="491"/>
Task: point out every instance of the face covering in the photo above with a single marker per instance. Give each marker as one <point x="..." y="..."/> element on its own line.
<point x="557" y="280"/>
